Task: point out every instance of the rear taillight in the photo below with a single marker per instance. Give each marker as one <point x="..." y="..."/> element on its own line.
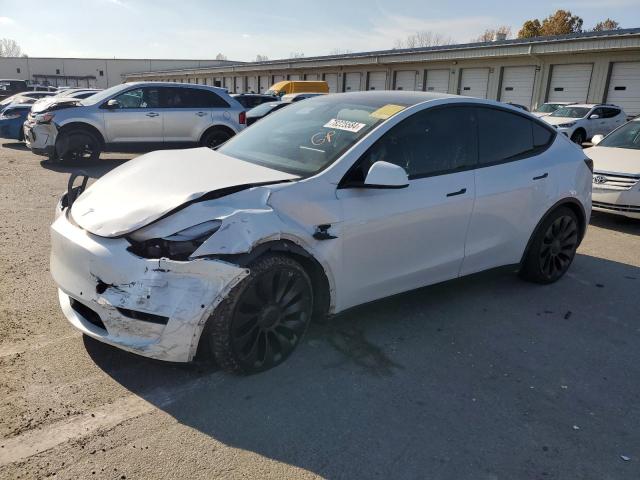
<point x="589" y="164"/>
<point x="243" y="118"/>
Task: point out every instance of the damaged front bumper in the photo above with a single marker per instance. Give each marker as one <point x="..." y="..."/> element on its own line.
<point x="40" y="138"/>
<point x="155" y="308"/>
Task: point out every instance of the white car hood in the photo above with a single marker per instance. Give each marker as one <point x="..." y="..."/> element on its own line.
<point x="558" y="120"/>
<point x="615" y="160"/>
<point x="541" y="114"/>
<point x="153" y="185"/>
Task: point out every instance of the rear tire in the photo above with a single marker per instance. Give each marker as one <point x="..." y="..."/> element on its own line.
<point x="215" y="137"/>
<point x="77" y="146"/>
<point x="262" y="320"/>
<point x="552" y="248"/>
<point x="578" y="137"/>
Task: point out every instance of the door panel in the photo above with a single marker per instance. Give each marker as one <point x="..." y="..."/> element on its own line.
<point x="188" y="112"/>
<point x="138" y="120"/>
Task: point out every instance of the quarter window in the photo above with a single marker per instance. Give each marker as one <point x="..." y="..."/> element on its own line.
<point x="192" y="98"/>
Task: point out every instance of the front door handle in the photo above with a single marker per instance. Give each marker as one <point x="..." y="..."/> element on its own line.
<point x="540" y="177"/>
<point x="201" y="114"/>
<point x="462" y="191"/>
<point x="152" y="114"/>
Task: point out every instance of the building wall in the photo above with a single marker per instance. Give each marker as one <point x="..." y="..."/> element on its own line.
<point x="107" y="72"/>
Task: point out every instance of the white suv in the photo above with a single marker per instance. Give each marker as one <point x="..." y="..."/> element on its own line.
<point x="133" y="117"/>
<point x="326" y="204"/>
<point x="580" y="122"/>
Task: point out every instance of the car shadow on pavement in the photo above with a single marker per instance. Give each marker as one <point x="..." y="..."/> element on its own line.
<point x="15" y="146"/>
<point x="615" y="222"/>
<point x="481" y="377"/>
<point x="94" y="169"/>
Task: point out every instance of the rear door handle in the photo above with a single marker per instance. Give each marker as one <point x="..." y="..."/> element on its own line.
<point x="540" y="177"/>
<point x="462" y="191"/>
<point x="201" y="114"/>
<point x="152" y="114"/>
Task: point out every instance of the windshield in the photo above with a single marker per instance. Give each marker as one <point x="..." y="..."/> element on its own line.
<point x="549" y="107"/>
<point x="571" y="112"/>
<point x="105" y="94"/>
<point x="627" y="136"/>
<point x="308" y="136"/>
<point x="262" y="109"/>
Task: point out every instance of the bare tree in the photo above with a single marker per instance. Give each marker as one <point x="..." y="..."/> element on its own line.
<point x="340" y="51"/>
<point x="221" y="56"/>
<point x="9" y="48"/>
<point x="423" y="38"/>
<point x="261" y="58"/>
<point x="296" y="55"/>
<point x="490" y="34"/>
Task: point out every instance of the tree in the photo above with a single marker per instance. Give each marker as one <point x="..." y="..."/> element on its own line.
<point x="296" y="55"/>
<point x="9" y="48"/>
<point x="562" y="22"/>
<point x="423" y="38"/>
<point x="607" y="24"/>
<point x="261" y="58"/>
<point x="530" y="29"/>
<point x="221" y="56"/>
<point x="340" y="51"/>
<point x="491" y="33"/>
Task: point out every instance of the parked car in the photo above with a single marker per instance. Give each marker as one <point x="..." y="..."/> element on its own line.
<point x="25" y="97"/>
<point x="329" y="203"/>
<point x="263" y="110"/>
<point x="548" y="108"/>
<point x="10" y="87"/>
<point x="616" y="170"/>
<point x="297" y="86"/>
<point x="41" y="88"/>
<point x="580" y="122"/>
<point x="296" y="97"/>
<point x="517" y="105"/>
<point x="251" y="100"/>
<point x="133" y="117"/>
<point x="12" y="117"/>
<point x="78" y="94"/>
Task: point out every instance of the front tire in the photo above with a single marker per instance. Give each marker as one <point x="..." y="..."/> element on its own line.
<point x="553" y="247"/>
<point x="77" y="146"/>
<point x="578" y="137"/>
<point x="262" y="320"/>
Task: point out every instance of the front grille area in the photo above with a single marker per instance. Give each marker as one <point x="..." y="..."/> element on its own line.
<point x="88" y="314"/>
<point x="144" y="317"/>
<point x="614" y="182"/>
<point x="617" y="208"/>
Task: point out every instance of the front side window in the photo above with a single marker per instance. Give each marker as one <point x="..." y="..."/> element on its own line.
<point x="431" y="142"/>
<point x="548" y="107"/>
<point x="627" y="136"/>
<point x="139" y="98"/>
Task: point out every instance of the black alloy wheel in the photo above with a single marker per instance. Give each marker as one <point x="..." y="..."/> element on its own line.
<point x="264" y="317"/>
<point x="558" y="247"/>
<point x="215" y="138"/>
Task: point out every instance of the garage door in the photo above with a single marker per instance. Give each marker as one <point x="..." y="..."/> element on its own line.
<point x="239" y="86"/>
<point x="436" y="81"/>
<point x="311" y="76"/>
<point x="352" y="82"/>
<point x="624" y="87"/>
<point x="377" y="80"/>
<point x="474" y="82"/>
<point x="278" y="78"/>
<point x="228" y="83"/>
<point x="405" y="80"/>
<point x="570" y="83"/>
<point x="295" y="77"/>
<point x="264" y="83"/>
<point x="517" y="85"/>
<point x="332" y="81"/>
<point x="252" y="86"/>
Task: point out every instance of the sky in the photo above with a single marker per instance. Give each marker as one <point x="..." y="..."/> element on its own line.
<point x="275" y="28"/>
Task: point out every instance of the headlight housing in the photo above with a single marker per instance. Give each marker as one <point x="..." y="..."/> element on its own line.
<point x="567" y="125"/>
<point x="44" y="117"/>
<point x="178" y="246"/>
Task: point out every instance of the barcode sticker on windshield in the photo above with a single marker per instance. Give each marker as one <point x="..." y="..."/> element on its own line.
<point x="346" y="125"/>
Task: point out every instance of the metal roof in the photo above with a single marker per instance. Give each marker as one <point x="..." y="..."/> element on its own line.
<point x="406" y="51"/>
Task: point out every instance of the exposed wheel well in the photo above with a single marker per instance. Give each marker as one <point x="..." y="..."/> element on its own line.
<point x="223" y="128"/>
<point x="575" y="207"/>
<point x="580" y="129"/>
<point x="79" y="126"/>
<point x="319" y="280"/>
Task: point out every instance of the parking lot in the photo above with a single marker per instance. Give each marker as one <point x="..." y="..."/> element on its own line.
<point x="486" y="377"/>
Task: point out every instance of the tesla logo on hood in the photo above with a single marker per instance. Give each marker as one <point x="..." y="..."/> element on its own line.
<point x="599" y="179"/>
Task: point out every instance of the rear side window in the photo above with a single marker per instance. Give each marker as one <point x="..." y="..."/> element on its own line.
<point x="505" y="136"/>
<point x="192" y="98"/>
<point x="610" y="112"/>
<point x="541" y="136"/>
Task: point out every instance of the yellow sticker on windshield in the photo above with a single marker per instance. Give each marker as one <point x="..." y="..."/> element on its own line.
<point x="387" y="111"/>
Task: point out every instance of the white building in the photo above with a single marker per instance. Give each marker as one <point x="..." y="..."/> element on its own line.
<point x="89" y="72"/>
<point x="585" y="67"/>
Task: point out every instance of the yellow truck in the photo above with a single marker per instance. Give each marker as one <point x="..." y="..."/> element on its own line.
<point x="297" y="86"/>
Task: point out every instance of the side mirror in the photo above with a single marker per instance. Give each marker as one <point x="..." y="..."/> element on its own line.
<point x="595" y="116"/>
<point x="386" y="175"/>
<point x="597" y="139"/>
<point x="112" y="104"/>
